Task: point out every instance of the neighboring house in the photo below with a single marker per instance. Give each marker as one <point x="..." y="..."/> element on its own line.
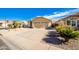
<point x="40" y="22"/>
<point x="4" y="24"/>
<point x="24" y="24"/>
<point x="71" y="20"/>
<point x="61" y="22"/>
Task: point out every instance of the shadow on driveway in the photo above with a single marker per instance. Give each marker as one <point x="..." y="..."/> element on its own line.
<point x="52" y="38"/>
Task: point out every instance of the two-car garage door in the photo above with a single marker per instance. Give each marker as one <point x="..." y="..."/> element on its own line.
<point x="41" y="24"/>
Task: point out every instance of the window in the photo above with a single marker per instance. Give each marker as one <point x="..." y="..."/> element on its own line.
<point x="40" y="22"/>
<point x="37" y="22"/>
<point x="68" y="22"/>
<point x="72" y="22"/>
<point x="78" y="23"/>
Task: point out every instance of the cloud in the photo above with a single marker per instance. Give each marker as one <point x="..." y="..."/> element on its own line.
<point x="57" y="15"/>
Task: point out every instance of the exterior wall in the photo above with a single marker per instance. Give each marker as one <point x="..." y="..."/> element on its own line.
<point x="40" y="22"/>
<point x="61" y="22"/>
<point x="71" y="17"/>
<point x="74" y="17"/>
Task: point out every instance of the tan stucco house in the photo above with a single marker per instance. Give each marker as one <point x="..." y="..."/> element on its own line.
<point x="40" y="22"/>
<point x="4" y="24"/>
<point x="71" y="20"/>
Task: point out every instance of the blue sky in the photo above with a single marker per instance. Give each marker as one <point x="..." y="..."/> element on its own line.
<point x="29" y="13"/>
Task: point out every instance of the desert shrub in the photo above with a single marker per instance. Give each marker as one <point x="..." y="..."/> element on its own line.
<point x="58" y="28"/>
<point x="76" y="34"/>
<point x="10" y="26"/>
<point x="67" y="32"/>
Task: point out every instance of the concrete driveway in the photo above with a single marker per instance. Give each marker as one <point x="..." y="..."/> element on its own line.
<point x="26" y="39"/>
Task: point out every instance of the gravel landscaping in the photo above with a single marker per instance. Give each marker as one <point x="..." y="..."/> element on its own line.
<point x="54" y="39"/>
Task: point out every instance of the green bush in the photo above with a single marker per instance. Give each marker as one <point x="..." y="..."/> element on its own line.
<point x="16" y="24"/>
<point x="67" y="32"/>
<point x="76" y="34"/>
<point x="58" y="28"/>
<point x="10" y="26"/>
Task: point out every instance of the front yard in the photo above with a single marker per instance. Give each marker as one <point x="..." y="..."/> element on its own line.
<point x="36" y="39"/>
<point x="54" y="39"/>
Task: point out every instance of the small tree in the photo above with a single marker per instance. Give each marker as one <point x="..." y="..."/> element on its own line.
<point x="16" y="24"/>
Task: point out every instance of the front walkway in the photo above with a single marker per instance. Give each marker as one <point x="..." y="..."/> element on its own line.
<point x="27" y="39"/>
